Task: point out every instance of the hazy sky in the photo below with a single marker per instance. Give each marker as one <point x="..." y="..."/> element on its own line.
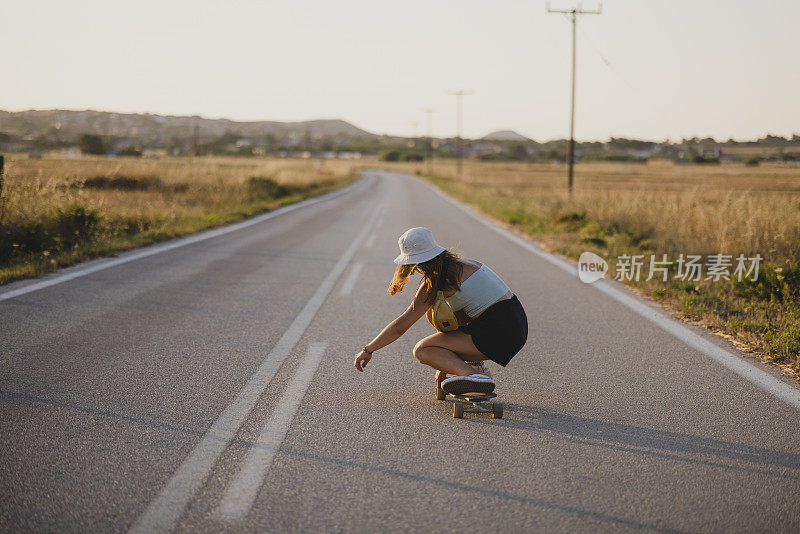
<point x="646" y="69"/>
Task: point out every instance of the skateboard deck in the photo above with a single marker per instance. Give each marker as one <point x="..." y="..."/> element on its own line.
<point x="471" y="403"/>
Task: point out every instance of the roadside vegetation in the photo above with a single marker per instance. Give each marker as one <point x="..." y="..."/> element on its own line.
<point x="56" y="212"/>
<point x="638" y="209"/>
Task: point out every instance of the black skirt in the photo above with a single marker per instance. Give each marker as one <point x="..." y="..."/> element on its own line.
<point x="500" y="331"/>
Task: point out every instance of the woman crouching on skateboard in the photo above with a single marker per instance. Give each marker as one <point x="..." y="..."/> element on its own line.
<point x="491" y="323"/>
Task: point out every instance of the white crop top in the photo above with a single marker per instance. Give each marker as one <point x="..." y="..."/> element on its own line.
<point x="479" y="291"/>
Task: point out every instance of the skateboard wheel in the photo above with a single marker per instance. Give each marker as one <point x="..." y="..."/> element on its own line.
<point x="497" y="410"/>
<point x="458" y="410"/>
<point x="440" y="394"/>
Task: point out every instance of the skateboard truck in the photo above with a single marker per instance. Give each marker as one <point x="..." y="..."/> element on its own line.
<point x="472" y="403"/>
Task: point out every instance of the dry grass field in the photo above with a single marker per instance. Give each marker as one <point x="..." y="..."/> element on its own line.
<point x="58" y="211"/>
<point x="661" y="209"/>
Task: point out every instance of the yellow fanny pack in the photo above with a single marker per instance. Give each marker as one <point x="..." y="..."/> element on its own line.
<point x="443" y="317"/>
<point x="444" y="320"/>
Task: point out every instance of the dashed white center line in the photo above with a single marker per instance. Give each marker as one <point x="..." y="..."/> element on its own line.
<point x="242" y="491"/>
<point x="165" y="510"/>
<point x="352" y="277"/>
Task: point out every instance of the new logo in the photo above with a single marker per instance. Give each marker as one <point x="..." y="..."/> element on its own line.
<point x="591" y="267"/>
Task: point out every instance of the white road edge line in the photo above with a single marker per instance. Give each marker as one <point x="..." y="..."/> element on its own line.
<point x="371" y="240"/>
<point x="77" y="272"/>
<point x="242" y="491"/>
<point x="352" y="277"/>
<point x="166" y="508"/>
<point x="758" y="377"/>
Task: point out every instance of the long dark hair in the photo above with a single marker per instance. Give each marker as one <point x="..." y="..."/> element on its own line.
<point x="433" y="274"/>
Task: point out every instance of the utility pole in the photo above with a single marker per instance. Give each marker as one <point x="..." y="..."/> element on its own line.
<point x="2" y="202"/>
<point x="309" y="146"/>
<point x="2" y="164"/>
<point x="415" y="129"/>
<point x="429" y="144"/>
<point x="573" y="16"/>
<point x="196" y="138"/>
<point x="459" y="97"/>
<point x="414" y="140"/>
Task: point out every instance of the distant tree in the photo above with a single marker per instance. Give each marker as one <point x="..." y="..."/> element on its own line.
<point x="621" y="143"/>
<point x="270" y="142"/>
<point x="91" y="144"/>
<point x="391" y="155"/>
<point x="176" y="145"/>
<point x="399" y="155"/>
<point x="517" y="151"/>
<point x="245" y="151"/>
<point x="325" y="144"/>
<point x="587" y="146"/>
<point x="550" y="155"/>
<point x="223" y="142"/>
<point x="770" y="139"/>
<point x="697" y="158"/>
<point x="132" y="150"/>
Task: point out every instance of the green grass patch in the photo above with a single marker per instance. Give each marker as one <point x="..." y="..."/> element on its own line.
<point x="66" y="236"/>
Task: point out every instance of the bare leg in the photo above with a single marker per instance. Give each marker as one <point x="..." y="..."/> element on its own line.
<point x="449" y="352"/>
<point x="444" y="360"/>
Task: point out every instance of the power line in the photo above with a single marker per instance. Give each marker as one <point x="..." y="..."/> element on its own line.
<point x="460" y="94"/>
<point x="645" y="95"/>
<point x="573" y="16"/>
<point x="607" y="62"/>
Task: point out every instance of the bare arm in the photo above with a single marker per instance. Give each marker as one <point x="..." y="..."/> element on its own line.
<point x="396" y="328"/>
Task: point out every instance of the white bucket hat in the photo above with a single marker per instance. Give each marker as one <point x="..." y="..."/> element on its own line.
<point x="417" y="245"/>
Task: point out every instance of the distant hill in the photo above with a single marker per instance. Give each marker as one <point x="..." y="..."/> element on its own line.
<point x="505" y="135"/>
<point x="69" y="124"/>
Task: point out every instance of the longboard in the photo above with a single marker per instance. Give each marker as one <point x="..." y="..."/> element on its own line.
<point x="471" y="403"/>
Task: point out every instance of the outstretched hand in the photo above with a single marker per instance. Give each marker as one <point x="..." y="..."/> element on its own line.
<point x="362" y="359"/>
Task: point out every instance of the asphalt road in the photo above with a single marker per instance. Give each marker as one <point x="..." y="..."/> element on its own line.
<point x="210" y="387"/>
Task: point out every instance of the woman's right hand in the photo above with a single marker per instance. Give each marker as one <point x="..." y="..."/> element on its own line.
<point x="440" y="376"/>
<point x="362" y="359"/>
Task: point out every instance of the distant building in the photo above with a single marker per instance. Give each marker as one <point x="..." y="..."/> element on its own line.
<point x="709" y="151"/>
<point x="483" y="150"/>
<point x="643" y="153"/>
<point x="17" y="143"/>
